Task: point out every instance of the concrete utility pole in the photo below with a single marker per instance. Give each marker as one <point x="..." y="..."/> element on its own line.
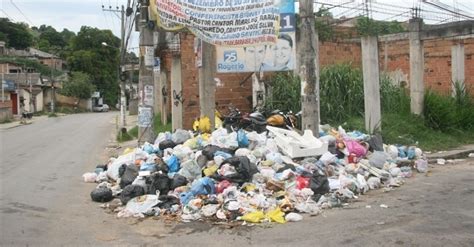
<point x="207" y="86"/>
<point x="146" y="96"/>
<point x="457" y="65"/>
<point x="123" y="103"/>
<point x="417" y="86"/>
<point x="370" y="69"/>
<point x="123" y="100"/>
<point x="308" y="69"/>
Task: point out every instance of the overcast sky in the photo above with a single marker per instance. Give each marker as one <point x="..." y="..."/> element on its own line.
<point x="73" y="14"/>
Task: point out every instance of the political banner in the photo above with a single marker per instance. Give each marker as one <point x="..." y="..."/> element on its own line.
<point x="222" y="22"/>
<point x="277" y="56"/>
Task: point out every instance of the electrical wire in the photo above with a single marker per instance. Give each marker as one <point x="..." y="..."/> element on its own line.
<point x="21" y="12"/>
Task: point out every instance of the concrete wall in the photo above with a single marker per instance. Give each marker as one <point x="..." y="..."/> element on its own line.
<point x="5" y="110"/>
<point x="62" y="100"/>
<point x="394" y="60"/>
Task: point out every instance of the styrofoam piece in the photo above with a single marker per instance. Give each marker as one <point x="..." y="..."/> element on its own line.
<point x="295" y="145"/>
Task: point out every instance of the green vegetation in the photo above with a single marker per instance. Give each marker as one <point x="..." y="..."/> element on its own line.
<point x="29" y="63"/>
<point x="15" y="35"/>
<point x="158" y="127"/>
<point x="325" y="31"/>
<point x="83" y="52"/>
<point x="124" y="136"/>
<point x="447" y="121"/>
<point x="7" y="120"/>
<point x="79" y="86"/>
<point x="369" y="27"/>
<point x="52" y="114"/>
<point x="285" y="94"/>
<point x="341" y="93"/>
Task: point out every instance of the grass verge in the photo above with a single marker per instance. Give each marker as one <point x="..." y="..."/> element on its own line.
<point x="409" y="129"/>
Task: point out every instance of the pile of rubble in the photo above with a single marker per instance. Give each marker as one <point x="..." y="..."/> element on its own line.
<point x="275" y="176"/>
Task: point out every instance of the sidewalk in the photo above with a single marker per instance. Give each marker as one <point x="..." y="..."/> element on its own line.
<point x="16" y="122"/>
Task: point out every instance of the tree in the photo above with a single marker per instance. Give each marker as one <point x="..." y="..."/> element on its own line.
<point x="79" y="85"/>
<point x="15" y="35"/>
<point x="101" y="62"/>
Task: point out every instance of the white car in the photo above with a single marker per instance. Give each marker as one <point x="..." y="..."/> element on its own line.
<point x="101" y="108"/>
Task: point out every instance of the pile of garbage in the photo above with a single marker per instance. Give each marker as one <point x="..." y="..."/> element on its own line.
<point x="275" y="176"/>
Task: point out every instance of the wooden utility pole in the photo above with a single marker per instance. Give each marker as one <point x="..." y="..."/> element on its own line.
<point x="207" y="86"/>
<point x="308" y="69"/>
<point x="146" y="95"/>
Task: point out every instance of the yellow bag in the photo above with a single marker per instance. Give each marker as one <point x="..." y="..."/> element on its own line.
<point x="276" y="215"/>
<point x="254" y="217"/>
<point x="203" y="124"/>
<point x="127" y="151"/>
<point x="210" y="170"/>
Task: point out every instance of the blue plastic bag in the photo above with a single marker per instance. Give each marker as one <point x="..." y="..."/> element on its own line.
<point x="222" y="154"/>
<point x="148" y="167"/>
<point x="185" y="197"/>
<point x="402" y="151"/>
<point x="203" y="186"/>
<point x="173" y="164"/>
<point x="411" y="153"/>
<point x="148" y="148"/>
<point x="242" y="139"/>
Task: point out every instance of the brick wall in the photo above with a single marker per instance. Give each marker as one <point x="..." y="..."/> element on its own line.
<point x="394" y="58"/>
<point x="229" y="92"/>
<point x="340" y="52"/>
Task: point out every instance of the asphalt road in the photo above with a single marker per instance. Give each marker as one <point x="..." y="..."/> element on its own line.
<point x="45" y="203"/>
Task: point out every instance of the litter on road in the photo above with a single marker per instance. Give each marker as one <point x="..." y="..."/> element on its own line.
<point x="273" y="176"/>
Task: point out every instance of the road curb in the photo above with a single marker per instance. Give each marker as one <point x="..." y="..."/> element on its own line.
<point x="461" y="152"/>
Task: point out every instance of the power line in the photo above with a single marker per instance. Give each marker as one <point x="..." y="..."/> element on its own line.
<point x="447" y="9"/>
<point x="21" y="12"/>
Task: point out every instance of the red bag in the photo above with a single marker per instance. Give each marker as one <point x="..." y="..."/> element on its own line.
<point x="302" y="182"/>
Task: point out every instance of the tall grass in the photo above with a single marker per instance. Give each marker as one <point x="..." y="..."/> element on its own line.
<point x="447" y="113"/>
<point x="285" y="93"/>
<point x="341" y="93"/>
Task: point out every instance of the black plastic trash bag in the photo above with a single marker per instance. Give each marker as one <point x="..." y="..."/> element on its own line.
<point x="158" y="181"/>
<point x="167" y="201"/>
<point x="243" y="167"/>
<point x="131" y="191"/>
<point x="130" y="172"/>
<point x="102" y="194"/>
<point x="376" y="143"/>
<point x="166" y="144"/>
<point x="178" y="181"/>
<point x="319" y="183"/>
<point x="286" y="167"/>
<point x="210" y="150"/>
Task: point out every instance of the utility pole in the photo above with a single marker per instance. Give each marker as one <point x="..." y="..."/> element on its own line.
<point x="207" y="86"/>
<point x="123" y="103"/>
<point x="309" y="68"/>
<point x="146" y="96"/>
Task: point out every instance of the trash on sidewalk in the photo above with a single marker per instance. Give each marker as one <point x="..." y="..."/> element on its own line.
<point x="252" y="177"/>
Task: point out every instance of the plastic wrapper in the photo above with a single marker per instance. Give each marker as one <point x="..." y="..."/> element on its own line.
<point x="89" y="177"/>
<point x="293" y="217"/>
<point x="421" y="165"/>
<point x="355" y="147"/>
<point x="276" y="215"/>
<point x="378" y="159"/>
<point x="180" y="136"/>
<point x="190" y="169"/>
<point x="254" y="217"/>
